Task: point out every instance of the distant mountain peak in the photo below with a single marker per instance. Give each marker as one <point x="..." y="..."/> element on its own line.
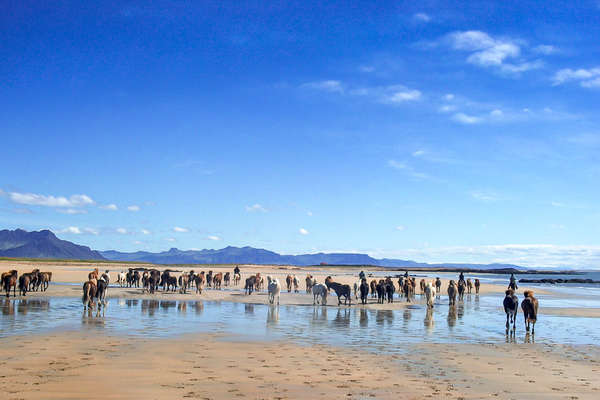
<point x="42" y="244"/>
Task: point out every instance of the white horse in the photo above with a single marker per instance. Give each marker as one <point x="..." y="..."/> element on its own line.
<point x="319" y="290"/>
<point x="274" y="290"/>
<point x="356" y="288"/>
<point x="121" y="278"/>
<point x="429" y="294"/>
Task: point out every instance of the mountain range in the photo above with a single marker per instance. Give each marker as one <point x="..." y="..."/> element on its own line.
<point x="44" y="244"/>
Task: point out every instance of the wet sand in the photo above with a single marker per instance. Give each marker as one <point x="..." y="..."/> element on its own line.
<point x="75" y="365"/>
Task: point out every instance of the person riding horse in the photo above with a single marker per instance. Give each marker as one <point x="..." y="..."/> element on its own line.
<point x="461" y="277"/>
<point x="406" y="274"/>
<point x="361" y="276"/>
<point x="236" y="270"/>
<point x="513" y="282"/>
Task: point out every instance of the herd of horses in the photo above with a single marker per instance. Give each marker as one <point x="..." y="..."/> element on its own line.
<point x="151" y="280"/>
<point x="27" y="282"/>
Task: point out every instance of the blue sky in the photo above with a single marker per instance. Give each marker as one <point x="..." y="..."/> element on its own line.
<point x="425" y="131"/>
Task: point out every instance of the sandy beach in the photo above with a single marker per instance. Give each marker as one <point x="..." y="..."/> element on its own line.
<point x="85" y="363"/>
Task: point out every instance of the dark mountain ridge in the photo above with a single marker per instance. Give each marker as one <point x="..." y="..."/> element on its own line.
<point x="42" y="244"/>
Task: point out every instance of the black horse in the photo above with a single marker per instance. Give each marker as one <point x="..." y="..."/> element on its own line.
<point x="364" y="291"/>
<point x="342" y="290"/>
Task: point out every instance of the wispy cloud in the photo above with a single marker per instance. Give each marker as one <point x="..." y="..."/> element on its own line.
<point x="73" y="211"/>
<point x="180" y="229"/>
<point x="466" y="119"/>
<point x="487" y="51"/>
<point x="587" y="78"/>
<point x="545" y="49"/>
<point x="213" y="237"/>
<point x="170" y="239"/>
<point x="32" y="199"/>
<point x="133" y="208"/>
<point x="256" y="208"/>
<point x="72" y="230"/>
<point x="421" y="17"/>
<point x="484" y="195"/>
<point x="122" y="231"/>
<point x="400" y="228"/>
<point x="111" y="207"/>
<point x="303" y="231"/>
<point x="407" y="169"/>
<point x="333" y="86"/>
<point x="145" y="232"/>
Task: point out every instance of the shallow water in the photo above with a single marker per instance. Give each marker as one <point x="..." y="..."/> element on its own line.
<point x="476" y="320"/>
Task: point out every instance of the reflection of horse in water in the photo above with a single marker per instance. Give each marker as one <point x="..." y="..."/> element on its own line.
<point x="249" y="308"/>
<point x="384" y="317"/>
<point x="342" y="318"/>
<point x="428" y="321"/>
<point x="452" y="315"/>
<point x="364" y="318"/>
<point x="407" y="315"/>
<point x="272" y="314"/>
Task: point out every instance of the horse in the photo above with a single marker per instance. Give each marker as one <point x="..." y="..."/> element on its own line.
<point x="373" y="286"/>
<point x="9" y="280"/>
<point x="199" y="281"/>
<point x="227" y="278"/>
<point x="429" y="294"/>
<point x="469" y="285"/>
<point x="477" y="285"/>
<point x="237" y="278"/>
<point x="101" y="288"/>
<point x="356" y="287"/>
<point x="319" y="289"/>
<point x="121" y="278"/>
<point x="217" y="279"/>
<point x="296" y="283"/>
<point x="452" y="293"/>
<point x="380" y="292"/>
<point x="184" y="281"/>
<point x="171" y="282"/>
<point x="511" y="307"/>
<point x="529" y="305"/>
<point x="106" y="277"/>
<point x="44" y="280"/>
<point x="328" y="281"/>
<point x="24" y="281"/>
<point x="364" y="291"/>
<point x="342" y="290"/>
<point x="422" y="286"/>
<point x="136" y="278"/>
<point x="288" y="283"/>
<point x="209" y="278"/>
<point x="407" y="289"/>
<point x="250" y="282"/>
<point x="309" y="283"/>
<point x="438" y="285"/>
<point x="461" y="290"/>
<point x="153" y="280"/>
<point x="89" y="292"/>
<point x="389" y="290"/>
<point x="93" y="275"/>
<point x="274" y="289"/>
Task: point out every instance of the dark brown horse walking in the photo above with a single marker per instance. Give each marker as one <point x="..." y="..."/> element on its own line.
<point x="9" y="280"/>
<point x="530" y="310"/>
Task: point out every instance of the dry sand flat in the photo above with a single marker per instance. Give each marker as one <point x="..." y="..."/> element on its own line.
<point x="75" y="365"/>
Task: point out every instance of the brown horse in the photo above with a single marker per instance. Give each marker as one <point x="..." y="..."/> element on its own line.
<point x="469" y="285"/>
<point x="24" y="281"/>
<point x="477" y="285"/>
<point x="184" y="281"/>
<point x="89" y="292"/>
<point x="217" y="279"/>
<point x="199" y="281"/>
<point x="9" y="280"/>
<point x="373" y="286"/>
<point x="529" y="305"/>
<point x="422" y="285"/>
<point x="309" y="283"/>
<point x="226" y="278"/>
<point x="288" y="283"/>
<point x="93" y="275"/>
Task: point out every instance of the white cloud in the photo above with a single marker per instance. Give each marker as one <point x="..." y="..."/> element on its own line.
<point x="111" y="207"/>
<point x="496" y="113"/>
<point x="170" y="239"/>
<point x="486" y="51"/>
<point x="400" y="228"/>
<point x="122" y="231"/>
<point x="212" y="237"/>
<point x="303" y="231"/>
<point x="545" y="49"/>
<point x="448" y="97"/>
<point x="418" y="153"/>
<point x="421" y="17"/>
<point x="407" y="169"/>
<point x="73" y="211"/>
<point x="32" y="199"/>
<point x="586" y="77"/>
<point x="483" y="195"/>
<point x="366" y="68"/>
<point x="137" y="242"/>
<point x="91" y="231"/>
<point x="466" y="119"/>
<point x="180" y="229"/>
<point x="326" y="86"/>
<point x="446" y="108"/>
<point x="133" y="208"/>
<point x="146" y="231"/>
<point x="402" y="96"/>
<point x="256" y="208"/>
<point x="72" y="229"/>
